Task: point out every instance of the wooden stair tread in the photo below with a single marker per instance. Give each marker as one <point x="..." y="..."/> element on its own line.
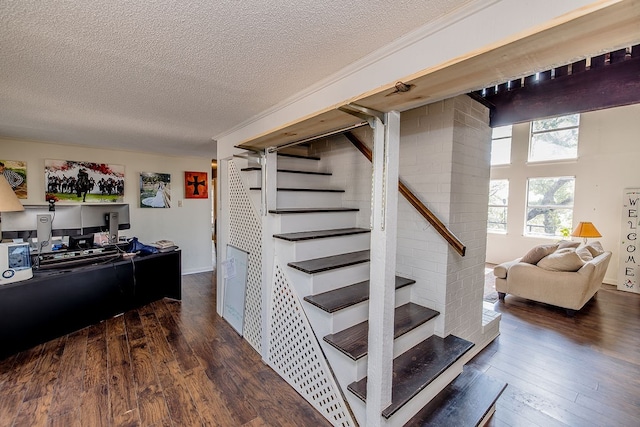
<point x="285" y="211"/>
<point x="353" y="341"/>
<point x="317" y="190"/>
<point x="258" y="168"/>
<point x="320" y="234"/>
<point x="318" y="265"/>
<point x="416" y="368"/>
<point x="465" y="402"/>
<point x="332" y="301"/>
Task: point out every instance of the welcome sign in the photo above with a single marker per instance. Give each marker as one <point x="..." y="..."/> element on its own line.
<point x="629" y="273"/>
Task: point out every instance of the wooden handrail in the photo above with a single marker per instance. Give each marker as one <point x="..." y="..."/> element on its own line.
<point x="442" y="229"/>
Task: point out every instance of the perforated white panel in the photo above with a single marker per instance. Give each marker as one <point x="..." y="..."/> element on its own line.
<point x="245" y="232"/>
<point x="296" y="355"/>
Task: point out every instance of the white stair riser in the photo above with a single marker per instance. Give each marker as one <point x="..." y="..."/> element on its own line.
<point x="307" y="284"/>
<point x="292" y="223"/>
<point x="289" y="180"/>
<point x="303" y="180"/>
<point x="318" y="248"/>
<point x="358" y="313"/>
<point x="307" y="199"/>
<point x="299" y="164"/>
<point x="324" y="323"/>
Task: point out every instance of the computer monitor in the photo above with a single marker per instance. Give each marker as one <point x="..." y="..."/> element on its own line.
<point x="82" y="241"/>
<point x="98" y="218"/>
<point x="65" y="221"/>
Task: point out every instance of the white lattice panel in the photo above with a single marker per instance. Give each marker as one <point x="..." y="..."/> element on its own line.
<point x="245" y="232"/>
<point x="296" y="355"/>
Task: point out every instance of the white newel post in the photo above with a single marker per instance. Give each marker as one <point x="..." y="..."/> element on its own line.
<point x="269" y="163"/>
<point x="629" y="270"/>
<point x="384" y="208"/>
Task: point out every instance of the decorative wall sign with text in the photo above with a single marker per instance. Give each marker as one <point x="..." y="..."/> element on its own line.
<point x="629" y="273"/>
<point x="196" y="185"/>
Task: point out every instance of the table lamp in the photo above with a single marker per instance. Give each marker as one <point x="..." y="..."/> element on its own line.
<point x="586" y="230"/>
<point x="8" y="200"/>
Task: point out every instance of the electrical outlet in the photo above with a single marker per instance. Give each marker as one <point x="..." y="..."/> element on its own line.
<point x="179" y="203"/>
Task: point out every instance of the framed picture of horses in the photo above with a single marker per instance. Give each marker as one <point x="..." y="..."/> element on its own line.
<point x="196" y="185"/>
<point x="83" y="182"/>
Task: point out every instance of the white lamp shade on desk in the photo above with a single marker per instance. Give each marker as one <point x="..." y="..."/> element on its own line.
<point x="8" y="200"/>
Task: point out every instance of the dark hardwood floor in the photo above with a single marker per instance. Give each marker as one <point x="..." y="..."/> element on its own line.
<point x="564" y="371"/>
<point x="176" y="363"/>
<point x="170" y="363"/>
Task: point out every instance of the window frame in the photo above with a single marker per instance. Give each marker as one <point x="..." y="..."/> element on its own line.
<point x="570" y="208"/>
<point x="533" y="133"/>
<point x="505" y="206"/>
<point x="501" y="138"/>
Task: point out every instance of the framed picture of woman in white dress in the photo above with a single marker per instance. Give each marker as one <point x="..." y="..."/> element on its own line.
<point x="155" y="190"/>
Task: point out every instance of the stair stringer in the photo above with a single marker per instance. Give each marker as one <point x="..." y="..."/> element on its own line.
<point x="295" y="353"/>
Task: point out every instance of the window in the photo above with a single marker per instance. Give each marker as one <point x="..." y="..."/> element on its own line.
<point x="554" y="139"/>
<point x="501" y="145"/>
<point x="549" y="206"/>
<point x="498" y="201"/>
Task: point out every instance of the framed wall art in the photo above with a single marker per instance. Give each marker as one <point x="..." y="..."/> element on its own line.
<point x="79" y="182"/>
<point x="15" y="172"/>
<point x="196" y="185"/>
<point x="155" y="190"/>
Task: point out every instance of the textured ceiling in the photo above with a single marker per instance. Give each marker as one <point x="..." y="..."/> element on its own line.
<point x="166" y="76"/>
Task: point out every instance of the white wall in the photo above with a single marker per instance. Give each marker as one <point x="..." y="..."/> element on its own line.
<point x="608" y="154"/>
<point x="188" y="226"/>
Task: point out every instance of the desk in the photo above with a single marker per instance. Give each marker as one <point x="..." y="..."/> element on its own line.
<point x="56" y="302"/>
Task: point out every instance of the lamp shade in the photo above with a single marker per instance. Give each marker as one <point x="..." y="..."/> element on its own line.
<point x="586" y="230"/>
<point x="8" y="200"/>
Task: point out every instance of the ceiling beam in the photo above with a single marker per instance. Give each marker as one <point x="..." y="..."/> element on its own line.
<point x="600" y="87"/>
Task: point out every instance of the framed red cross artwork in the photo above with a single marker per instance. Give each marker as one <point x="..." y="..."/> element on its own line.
<point x="196" y="185"/>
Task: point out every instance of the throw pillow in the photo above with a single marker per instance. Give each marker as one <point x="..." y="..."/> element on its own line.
<point x="595" y="248"/>
<point x="568" y="244"/>
<point x="584" y="253"/>
<point x="538" y="252"/>
<point x="562" y="260"/>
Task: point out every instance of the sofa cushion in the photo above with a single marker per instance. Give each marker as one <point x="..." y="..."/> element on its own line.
<point x="568" y="244"/>
<point x="584" y="253"/>
<point x="562" y="260"/>
<point x="501" y="270"/>
<point x="538" y="252"/>
<point x="595" y="248"/>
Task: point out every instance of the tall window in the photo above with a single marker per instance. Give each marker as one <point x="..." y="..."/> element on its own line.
<point x="549" y="205"/>
<point x="501" y="145"/>
<point x="498" y="201"/>
<point x="554" y="139"/>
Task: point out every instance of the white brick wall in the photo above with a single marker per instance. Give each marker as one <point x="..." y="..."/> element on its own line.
<point x="444" y="160"/>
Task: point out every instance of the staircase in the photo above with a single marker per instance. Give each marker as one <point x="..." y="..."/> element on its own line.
<point x="327" y="261"/>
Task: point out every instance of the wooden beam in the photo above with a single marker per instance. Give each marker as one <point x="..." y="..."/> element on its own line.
<point x="607" y="86"/>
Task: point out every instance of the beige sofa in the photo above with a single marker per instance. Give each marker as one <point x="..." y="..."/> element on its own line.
<point x="568" y="289"/>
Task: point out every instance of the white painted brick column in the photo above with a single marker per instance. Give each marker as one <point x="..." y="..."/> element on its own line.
<point x="383" y="266"/>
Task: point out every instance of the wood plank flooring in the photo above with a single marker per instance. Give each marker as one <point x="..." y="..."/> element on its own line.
<point x="581" y="371"/>
<point x="178" y="364"/>
<point x="170" y="363"/>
